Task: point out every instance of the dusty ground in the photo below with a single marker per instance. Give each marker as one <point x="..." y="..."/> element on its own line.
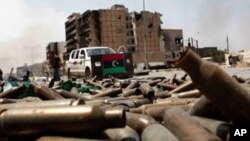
<point x="242" y="72"/>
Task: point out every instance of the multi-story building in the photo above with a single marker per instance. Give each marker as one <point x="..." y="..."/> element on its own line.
<point x="245" y="56"/>
<point x="140" y="33"/>
<point x="171" y="42"/>
<point x="72" y="32"/>
<point x="53" y="49"/>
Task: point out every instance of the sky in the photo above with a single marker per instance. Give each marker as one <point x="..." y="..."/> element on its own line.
<point x="27" y="26"/>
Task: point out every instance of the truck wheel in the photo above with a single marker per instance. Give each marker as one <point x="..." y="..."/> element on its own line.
<point x="88" y="73"/>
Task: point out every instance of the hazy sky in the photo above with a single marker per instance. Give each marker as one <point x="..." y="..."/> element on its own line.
<point x="28" y="25"/>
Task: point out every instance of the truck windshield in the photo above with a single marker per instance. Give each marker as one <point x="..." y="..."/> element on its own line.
<point x="99" y="51"/>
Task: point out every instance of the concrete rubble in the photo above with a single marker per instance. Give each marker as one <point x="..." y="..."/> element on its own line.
<point x="201" y="105"/>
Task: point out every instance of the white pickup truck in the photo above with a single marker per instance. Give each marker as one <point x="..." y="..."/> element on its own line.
<point x="79" y="63"/>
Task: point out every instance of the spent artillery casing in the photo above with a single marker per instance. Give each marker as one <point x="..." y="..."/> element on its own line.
<point x="205" y="108"/>
<point x="114" y="99"/>
<point x="13" y="92"/>
<point x="136" y="96"/>
<point x="47" y="103"/>
<point x="61" y="138"/>
<point x="139" y="122"/>
<point x="154" y="82"/>
<point x="76" y="119"/>
<point x="133" y="84"/>
<point x="74" y="90"/>
<point x="157" y="132"/>
<point x="184" y="77"/>
<point x="110" y="92"/>
<point x="7" y="100"/>
<point x="67" y="94"/>
<point x="157" y="112"/>
<point x="188" y="94"/>
<point x="122" y="134"/>
<point x="147" y="90"/>
<point x="219" y="128"/>
<point x="125" y="103"/>
<point x="169" y="103"/>
<point x="177" y="81"/>
<point x="218" y="86"/>
<point x="129" y="92"/>
<point x="239" y="79"/>
<point x="46" y="93"/>
<point x="107" y="84"/>
<point x="95" y="84"/>
<point x="183" y="87"/>
<point x="148" y="127"/>
<point x="184" y="127"/>
<point x="164" y="94"/>
<point x="139" y="102"/>
<point x="167" y="86"/>
<point x="176" y="101"/>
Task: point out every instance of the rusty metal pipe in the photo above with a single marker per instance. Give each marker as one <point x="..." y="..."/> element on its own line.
<point x="184" y="127"/>
<point x="76" y="119"/>
<point x="217" y="86"/>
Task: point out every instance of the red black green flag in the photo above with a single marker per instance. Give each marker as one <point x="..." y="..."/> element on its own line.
<point x="113" y="63"/>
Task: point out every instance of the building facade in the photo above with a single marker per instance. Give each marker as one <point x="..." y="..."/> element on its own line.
<point x="139" y="33"/>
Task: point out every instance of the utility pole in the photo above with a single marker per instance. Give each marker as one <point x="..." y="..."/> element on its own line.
<point x="227" y="45"/>
<point x="144" y="37"/>
<point x="197" y="47"/>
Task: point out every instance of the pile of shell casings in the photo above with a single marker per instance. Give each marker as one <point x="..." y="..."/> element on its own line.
<point x="199" y="106"/>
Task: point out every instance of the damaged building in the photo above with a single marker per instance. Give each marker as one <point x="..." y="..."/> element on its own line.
<point x="117" y="27"/>
<point x="171" y="42"/>
<point x="55" y="49"/>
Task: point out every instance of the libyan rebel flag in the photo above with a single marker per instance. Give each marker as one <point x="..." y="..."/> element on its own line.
<point x="113" y="63"/>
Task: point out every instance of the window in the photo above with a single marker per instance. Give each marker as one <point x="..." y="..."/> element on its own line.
<point x="77" y="54"/>
<point x="82" y="54"/>
<point x="73" y="54"/>
<point x="99" y="51"/>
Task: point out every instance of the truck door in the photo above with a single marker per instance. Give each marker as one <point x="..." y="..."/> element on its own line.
<point x="72" y="61"/>
<point x="81" y="63"/>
